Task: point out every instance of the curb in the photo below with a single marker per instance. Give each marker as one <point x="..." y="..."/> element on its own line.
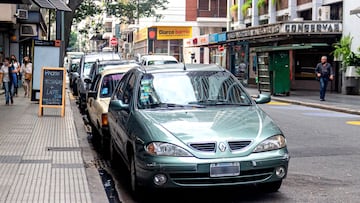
<point x="320" y="106"/>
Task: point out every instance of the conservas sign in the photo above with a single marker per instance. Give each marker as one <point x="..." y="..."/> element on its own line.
<point x="168" y="33"/>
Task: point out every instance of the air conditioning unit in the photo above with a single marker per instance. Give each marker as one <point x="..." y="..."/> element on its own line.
<point x="22" y="14"/>
<point x="324" y="13"/>
<point x="28" y="30"/>
<point x="248" y="12"/>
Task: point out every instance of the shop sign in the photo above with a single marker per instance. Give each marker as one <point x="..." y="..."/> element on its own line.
<point x="169" y="33"/>
<point x="264" y="30"/>
<point x="288" y="28"/>
<point x="188" y="42"/>
<point x="141" y="35"/>
<point x="213" y="38"/>
<point x="311" y="27"/>
<point x="203" y="40"/>
<point x="222" y="37"/>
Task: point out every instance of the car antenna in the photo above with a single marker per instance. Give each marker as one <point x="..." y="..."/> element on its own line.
<point x="184" y="67"/>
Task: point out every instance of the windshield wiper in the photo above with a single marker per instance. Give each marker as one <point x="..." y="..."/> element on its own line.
<point x="214" y="102"/>
<point x="173" y="105"/>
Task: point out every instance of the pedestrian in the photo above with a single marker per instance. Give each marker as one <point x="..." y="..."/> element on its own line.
<point x="6" y="76"/>
<point x="324" y="73"/>
<point x="16" y="66"/>
<point x="26" y="72"/>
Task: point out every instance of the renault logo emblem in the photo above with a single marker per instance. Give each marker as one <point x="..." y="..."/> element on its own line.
<point x="222" y="147"/>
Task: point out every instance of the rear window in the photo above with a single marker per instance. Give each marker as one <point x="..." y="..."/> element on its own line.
<point x="161" y="62"/>
<point x="109" y="83"/>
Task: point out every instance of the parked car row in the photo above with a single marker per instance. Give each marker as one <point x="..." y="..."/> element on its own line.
<point x="185" y="125"/>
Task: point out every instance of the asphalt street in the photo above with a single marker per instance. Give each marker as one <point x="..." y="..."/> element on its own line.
<point x="323" y="168"/>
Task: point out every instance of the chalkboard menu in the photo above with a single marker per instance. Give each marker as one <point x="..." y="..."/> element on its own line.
<point x="52" y="89"/>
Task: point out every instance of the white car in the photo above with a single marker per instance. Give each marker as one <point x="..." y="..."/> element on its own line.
<point x="98" y="102"/>
<point x="148" y="60"/>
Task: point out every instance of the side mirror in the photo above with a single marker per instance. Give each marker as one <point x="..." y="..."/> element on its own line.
<point x="263" y="98"/>
<point x="87" y="80"/>
<point x="118" y="105"/>
<point x="92" y="94"/>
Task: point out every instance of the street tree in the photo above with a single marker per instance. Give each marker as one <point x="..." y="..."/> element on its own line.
<point x="126" y="11"/>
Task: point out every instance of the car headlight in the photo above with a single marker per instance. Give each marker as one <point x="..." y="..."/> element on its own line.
<point x="272" y="143"/>
<point x="166" y="149"/>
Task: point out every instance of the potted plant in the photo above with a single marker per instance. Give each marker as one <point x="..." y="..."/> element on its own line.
<point x="234" y="11"/>
<point x="245" y="6"/>
<point x="350" y="63"/>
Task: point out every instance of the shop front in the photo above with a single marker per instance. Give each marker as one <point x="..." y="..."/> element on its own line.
<point x="217" y="48"/>
<point x="166" y="40"/>
<point x="282" y="57"/>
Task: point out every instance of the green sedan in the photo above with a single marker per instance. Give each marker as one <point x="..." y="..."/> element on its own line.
<point x="194" y="126"/>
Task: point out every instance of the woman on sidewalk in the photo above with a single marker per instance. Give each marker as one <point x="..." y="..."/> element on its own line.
<point x="16" y="65"/>
<point x="6" y="72"/>
<point x="26" y="72"/>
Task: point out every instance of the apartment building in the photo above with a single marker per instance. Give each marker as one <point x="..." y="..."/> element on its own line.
<point x="22" y="21"/>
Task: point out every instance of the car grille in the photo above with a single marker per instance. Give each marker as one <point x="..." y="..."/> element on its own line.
<point x="205" y="179"/>
<point x="205" y="147"/>
<point x="238" y="145"/>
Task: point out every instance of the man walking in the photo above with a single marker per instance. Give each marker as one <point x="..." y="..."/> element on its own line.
<point x="324" y="72"/>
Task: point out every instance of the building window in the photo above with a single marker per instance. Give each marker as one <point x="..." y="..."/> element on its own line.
<point x="336" y="11"/>
<point x="306" y="15"/>
<point x="204" y="5"/>
<point x="161" y="46"/>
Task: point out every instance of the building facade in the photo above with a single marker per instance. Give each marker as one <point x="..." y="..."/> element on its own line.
<point x="283" y="41"/>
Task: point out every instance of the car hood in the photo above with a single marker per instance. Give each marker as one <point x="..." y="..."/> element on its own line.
<point x="211" y="124"/>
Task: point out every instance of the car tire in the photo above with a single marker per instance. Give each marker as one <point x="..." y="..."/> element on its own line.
<point x="271" y="187"/>
<point x="136" y="189"/>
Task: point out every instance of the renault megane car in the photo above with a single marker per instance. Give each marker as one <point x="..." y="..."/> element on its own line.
<point x="194" y="126"/>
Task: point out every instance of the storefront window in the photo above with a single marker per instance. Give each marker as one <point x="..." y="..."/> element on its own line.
<point x="240" y="65"/>
<point x="176" y="49"/>
<point x="217" y="57"/>
<point x="161" y="46"/>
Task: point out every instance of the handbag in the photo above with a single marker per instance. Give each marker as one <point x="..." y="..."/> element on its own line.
<point x="28" y="76"/>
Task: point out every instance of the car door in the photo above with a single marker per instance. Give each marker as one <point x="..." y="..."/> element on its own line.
<point x="91" y="103"/>
<point x="114" y="116"/>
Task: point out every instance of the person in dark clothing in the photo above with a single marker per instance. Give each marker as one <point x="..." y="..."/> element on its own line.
<point x="324" y="72"/>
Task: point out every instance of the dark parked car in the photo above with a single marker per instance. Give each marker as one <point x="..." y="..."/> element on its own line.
<point x="194" y="126"/>
<point x="83" y="73"/>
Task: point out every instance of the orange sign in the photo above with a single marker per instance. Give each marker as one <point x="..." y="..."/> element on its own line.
<point x="141" y="35"/>
<point x="167" y="33"/>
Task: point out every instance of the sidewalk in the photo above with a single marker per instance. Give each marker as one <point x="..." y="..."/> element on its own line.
<point x="45" y="159"/>
<point x="334" y="101"/>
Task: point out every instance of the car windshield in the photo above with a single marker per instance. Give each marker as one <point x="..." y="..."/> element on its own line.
<point x="109" y="83"/>
<point x="180" y="89"/>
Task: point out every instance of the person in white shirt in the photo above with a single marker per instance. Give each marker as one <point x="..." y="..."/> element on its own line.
<point x="7" y="80"/>
<point x="16" y="66"/>
<point x="26" y="72"/>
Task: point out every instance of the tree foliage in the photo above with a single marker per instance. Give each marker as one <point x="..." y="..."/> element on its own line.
<point x="127" y="12"/>
<point x="87" y="8"/>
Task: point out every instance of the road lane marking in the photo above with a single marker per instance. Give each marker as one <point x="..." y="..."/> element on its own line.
<point x="278" y="103"/>
<point x="331" y="115"/>
<point x="353" y="122"/>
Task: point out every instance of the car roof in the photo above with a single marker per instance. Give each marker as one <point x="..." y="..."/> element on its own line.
<point x="181" y="67"/>
<point x="118" y="69"/>
<point x="159" y="57"/>
<point x="101" y="56"/>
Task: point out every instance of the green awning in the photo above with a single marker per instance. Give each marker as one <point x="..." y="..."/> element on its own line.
<point x="290" y="47"/>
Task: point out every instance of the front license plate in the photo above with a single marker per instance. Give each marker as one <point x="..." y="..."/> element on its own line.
<point x="224" y="169"/>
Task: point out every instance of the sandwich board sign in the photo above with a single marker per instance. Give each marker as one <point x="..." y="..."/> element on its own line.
<point x="52" y="89"/>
